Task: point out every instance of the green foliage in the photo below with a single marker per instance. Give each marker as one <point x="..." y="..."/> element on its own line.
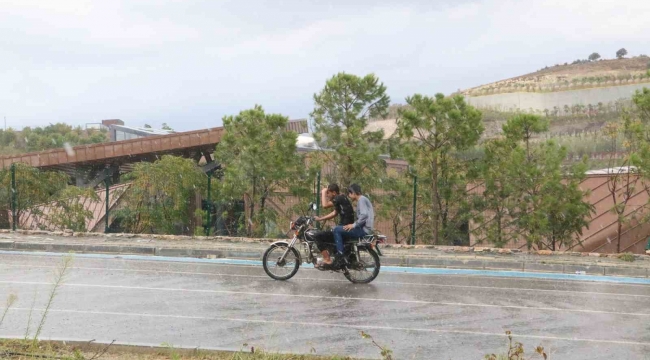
<point x="621" y="53"/>
<point x="395" y="205"/>
<point x="641" y="100"/>
<point x="340" y="116"/>
<point x="33" y="188"/>
<point x="594" y="56"/>
<point x="527" y="192"/>
<point x="38" y="190"/>
<point x="159" y="196"/>
<point x="522" y="127"/>
<point x="497" y="199"/>
<point x="260" y="159"/>
<point x="429" y="130"/>
<point x="67" y="210"/>
<point x="52" y="136"/>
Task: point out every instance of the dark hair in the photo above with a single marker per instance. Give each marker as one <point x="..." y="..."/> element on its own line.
<point x="333" y="188"/>
<point x="354" y="189"/>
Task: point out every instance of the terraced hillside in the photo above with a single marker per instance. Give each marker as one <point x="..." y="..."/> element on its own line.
<point x="604" y="73"/>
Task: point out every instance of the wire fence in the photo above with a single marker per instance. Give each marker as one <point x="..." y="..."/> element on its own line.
<point x="33" y="199"/>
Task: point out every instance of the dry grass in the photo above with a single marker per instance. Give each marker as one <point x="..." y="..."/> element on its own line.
<point x="21" y="349"/>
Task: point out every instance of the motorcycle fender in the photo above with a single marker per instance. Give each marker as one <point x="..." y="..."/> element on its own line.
<point x="371" y="247"/>
<point x="286" y="243"/>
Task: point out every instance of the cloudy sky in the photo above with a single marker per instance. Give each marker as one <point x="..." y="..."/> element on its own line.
<point x="189" y="63"/>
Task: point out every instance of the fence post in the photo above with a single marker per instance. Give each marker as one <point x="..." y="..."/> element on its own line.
<point x="209" y="215"/>
<point x="107" y="182"/>
<point x="14" y="194"/>
<point x="415" y="200"/>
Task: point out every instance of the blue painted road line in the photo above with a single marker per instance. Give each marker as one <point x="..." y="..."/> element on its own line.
<point x="390" y="269"/>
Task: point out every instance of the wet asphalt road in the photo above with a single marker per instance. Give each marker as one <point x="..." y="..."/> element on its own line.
<point x="417" y="316"/>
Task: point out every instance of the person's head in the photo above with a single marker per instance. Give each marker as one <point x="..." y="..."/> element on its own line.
<point x="332" y="191"/>
<point x="354" y="192"/>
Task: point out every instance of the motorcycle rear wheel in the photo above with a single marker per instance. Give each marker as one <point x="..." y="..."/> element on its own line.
<point x="364" y="271"/>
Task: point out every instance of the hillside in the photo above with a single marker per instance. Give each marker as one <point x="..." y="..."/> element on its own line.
<point x="580" y="75"/>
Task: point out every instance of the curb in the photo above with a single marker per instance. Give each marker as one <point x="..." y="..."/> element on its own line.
<point x="502" y="263"/>
<point x="229" y="239"/>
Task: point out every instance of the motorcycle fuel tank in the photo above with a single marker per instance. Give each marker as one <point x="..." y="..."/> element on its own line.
<point x="323" y="236"/>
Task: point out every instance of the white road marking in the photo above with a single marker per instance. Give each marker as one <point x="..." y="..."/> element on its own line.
<point x="591" y="293"/>
<point x="423" y="302"/>
<point x="355" y="327"/>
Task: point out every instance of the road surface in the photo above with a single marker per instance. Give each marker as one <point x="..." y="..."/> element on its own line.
<point x="221" y="306"/>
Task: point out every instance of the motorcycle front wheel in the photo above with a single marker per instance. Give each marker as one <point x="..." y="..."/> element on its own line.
<point x="366" y="269"/>
<point x="283" y="269"/>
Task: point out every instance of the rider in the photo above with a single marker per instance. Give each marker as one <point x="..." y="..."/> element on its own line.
<point x="358" y="229"/>
<point x="332" y="197"/>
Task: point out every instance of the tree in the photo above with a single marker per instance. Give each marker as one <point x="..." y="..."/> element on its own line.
<point x="395" y="205"/>
<point x="638" y="134"/>
<point x="621" y="53"/>
<point x="496" y="202"/>
<point x="430" y="129"/>
<point x="340" y="117"/>
<point x="166" y="127"/>
<point x="33" y="188"/>
<point x="259" y="156"/>
<point x="158" y="200"/>
<point x="641" y="100"/>
<point x="594" y="56"/>
<point x="548" y="208"/>
<point x="566" y="210"/>
<point x="523" y="127"/>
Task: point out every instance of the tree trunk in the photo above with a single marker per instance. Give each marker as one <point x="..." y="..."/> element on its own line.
<point x="499" y="235"/>
<point x="435" y="200"/>
<point x="252" y="210"/>
<point x="396" y="231"/>
<point x="618" y="234"/>
<point x="263" y="215"/>
<point x="553" y="243"/>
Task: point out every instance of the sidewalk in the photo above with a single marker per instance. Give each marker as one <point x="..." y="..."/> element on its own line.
<point x="394" y="255"/>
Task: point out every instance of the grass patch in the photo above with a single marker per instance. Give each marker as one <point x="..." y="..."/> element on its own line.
<point x="24" y="349"/>
<point x="627" y="257"/>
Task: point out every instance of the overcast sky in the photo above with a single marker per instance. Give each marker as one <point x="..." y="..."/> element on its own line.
<point x="189" y="63"/>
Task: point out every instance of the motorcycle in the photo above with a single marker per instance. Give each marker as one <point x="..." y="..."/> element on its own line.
<point x="282" y="259"/>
